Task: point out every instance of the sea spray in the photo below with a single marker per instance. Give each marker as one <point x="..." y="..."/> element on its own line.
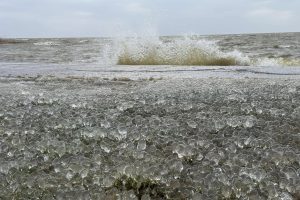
<point x="186" y="51"/>
<point x="171" y="51"/>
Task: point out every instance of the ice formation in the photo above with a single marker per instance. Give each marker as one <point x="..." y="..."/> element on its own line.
<point x="168" y="139"/>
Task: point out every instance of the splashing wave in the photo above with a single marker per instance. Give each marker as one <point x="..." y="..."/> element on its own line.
<point x="186" y="51"/>
<point x="183" y="51"/>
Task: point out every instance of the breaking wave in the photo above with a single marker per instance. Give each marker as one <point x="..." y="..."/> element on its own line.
<point x="182" y="51"/>
<point x="275" y="62"/>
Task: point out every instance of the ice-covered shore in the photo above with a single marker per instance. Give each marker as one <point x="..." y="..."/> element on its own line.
<point x="101" y="137"/>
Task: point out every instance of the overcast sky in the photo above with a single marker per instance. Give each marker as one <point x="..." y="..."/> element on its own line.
<point x="74" y="18"/>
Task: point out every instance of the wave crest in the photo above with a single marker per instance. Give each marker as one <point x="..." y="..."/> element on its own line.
<point x="276" y="61"/>
<point x="186" y="51"/>
<point x="46" y="43"/>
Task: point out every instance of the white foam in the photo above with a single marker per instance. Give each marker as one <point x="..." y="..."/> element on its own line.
<point x="169" y="51"/>
<point x="47" y="43"/>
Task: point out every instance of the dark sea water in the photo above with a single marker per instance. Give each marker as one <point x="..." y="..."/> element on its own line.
<point x="261" y="49"/>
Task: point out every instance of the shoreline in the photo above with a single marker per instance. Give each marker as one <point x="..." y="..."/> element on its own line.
<point x="144" y="72"/>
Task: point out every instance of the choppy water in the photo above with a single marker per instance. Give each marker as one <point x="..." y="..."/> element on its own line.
<point x="249" y="49"/>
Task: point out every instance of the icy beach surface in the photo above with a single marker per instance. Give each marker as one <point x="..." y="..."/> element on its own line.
<point x="116" y="138"/>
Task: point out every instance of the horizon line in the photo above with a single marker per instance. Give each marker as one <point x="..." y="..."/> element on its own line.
<point x="163" y="35"/>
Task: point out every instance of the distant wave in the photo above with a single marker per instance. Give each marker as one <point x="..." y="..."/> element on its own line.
<point x="46" y="43"/>
<point x="83" y="41"/>
<point x="184" y="51"/>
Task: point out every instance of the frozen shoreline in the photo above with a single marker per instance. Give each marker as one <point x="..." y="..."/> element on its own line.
<point x="181" y="134"/>
<point x="136" y="72"/>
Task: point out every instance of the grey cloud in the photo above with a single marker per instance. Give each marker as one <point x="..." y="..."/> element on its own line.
<point x="60" y="18"/>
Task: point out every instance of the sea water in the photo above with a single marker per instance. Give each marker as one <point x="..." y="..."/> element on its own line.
<point x="219" y="50"/>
